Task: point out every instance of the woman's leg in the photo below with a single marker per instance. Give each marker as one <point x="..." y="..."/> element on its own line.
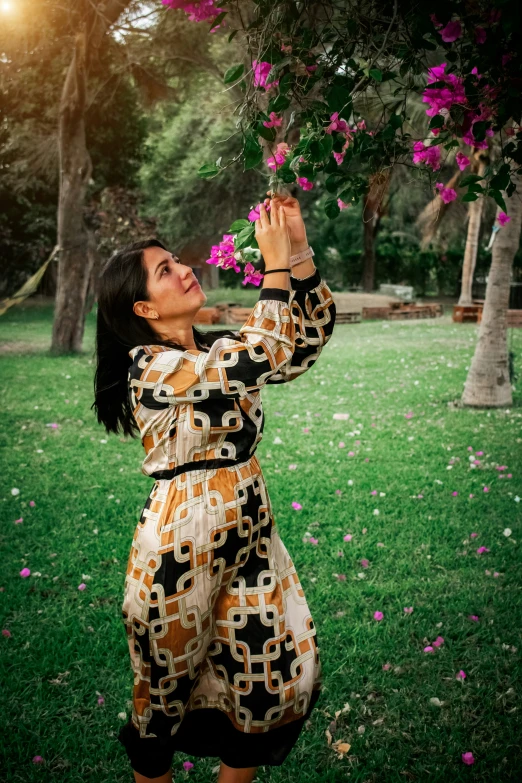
<point x="232" y="775"/>
<point x="166" y="778"/>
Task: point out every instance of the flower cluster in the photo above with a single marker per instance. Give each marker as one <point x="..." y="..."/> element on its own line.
<point x="198" y="11"/>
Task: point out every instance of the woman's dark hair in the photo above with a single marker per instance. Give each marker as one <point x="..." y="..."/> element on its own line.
<point x="123" y="281"/>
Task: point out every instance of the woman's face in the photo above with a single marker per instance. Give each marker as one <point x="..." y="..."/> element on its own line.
<point x="173" y="289"/>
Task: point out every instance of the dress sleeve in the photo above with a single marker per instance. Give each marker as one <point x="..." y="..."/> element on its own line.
<point x="230" y="367"/>
<point x="313" y="312"/>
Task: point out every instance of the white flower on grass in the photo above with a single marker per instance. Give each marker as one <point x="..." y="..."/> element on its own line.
<point x="15" y="491"/>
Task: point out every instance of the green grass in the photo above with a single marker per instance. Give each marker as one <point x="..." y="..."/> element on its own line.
<point x="67" y="645"/>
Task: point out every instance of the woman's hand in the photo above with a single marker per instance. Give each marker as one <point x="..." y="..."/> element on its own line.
<point x="294" y="221"/>
<point x="272" y="237"/>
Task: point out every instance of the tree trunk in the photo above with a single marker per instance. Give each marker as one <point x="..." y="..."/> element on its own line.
<point x="372" y="212"/>
<point x="488" y="384"/>
<point x="75" y="172"/>
<point x="472" y="239"/>
<point x="75" y="262"/>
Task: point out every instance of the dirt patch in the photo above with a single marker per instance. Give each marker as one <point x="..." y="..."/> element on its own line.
<point x="19" y="346"/>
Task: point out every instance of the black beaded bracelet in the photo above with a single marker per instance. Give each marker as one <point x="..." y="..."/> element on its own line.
<point x="276" y="270"/>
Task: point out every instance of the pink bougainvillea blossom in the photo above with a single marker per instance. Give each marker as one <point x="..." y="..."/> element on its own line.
<point x="428" y="649"/>
<point x="378" y="616"/>
<point x="297" y="506"/>
<point x="480" y="35"/>
<point x="348" y="537"/>
<point x="261" y="71"/>
<point x="311" y="68"/>
<point x="438" y="641"/>
<point x="32" y="503"/>
<point x="468" y="758"/>
<point x="503" y="218"/>
<point x="443" y="98"/>
<point x="6" y="632"/>
<point x="313" y="540"/>
<point x="274" y="121"/>
<point x="304" y="183"/>
<point x="386" y="666"/>
<point x="37" y="759"/>
<point x="428" y="155"/>
<point x="82" y="586"/>
<point x="461" y="675"/>
<point x="279" y="158"/>
<point x="461" y="160"/>
<point x="365" y="563"/>
<point x="254" y="213"/>
<point x="252" y="275"/>
<point x="482" y="549"/>
<point x="408" y="609"/>
<point x="341" y="204"/>
<point x="446" y="194"/>
<point x="336" y="124"/>
<point x="187" y="765"/>
<point x="222" y="255"/>
<point x="473" y="617"/>
<point x="198" y="11"/>
<point x="451" y="32"/>
<point x="25" y="572"/>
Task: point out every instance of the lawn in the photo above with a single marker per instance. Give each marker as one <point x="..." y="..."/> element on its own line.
<point x="410" y="502"/>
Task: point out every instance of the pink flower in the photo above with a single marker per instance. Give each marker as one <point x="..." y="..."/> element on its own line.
<point x="486" y="489"/>
<point x="386" y="666"/>
<point x="222" y="255"/>
<point x="473" y="617"/>
<point x="451" y="32"/>
<point x="187" y="765"/>
<point x="441" y="98"/>
<point x="438" y="641"/>
<point x="461" y="160"/>
<point x="311" y="68"/>
<point x="461" y="675"/>
<point x="503" y="218"/>
<point x="274" y="121"/>
<point x="365" y="563"/>
<point x="473" y="535"/>
<point x="467" y="758"/>
<point x="378" y="616"/>
<point x="19" y="521"/>
<point x="341" y="577"/>
<point x="297" y="506"/>
<point x="5" y="632"/>
<point x="342" y="205"/>
<point x="32" y="503"/>
<point x="304" y="183"/>
<point x="261" y="71"/>
<point x="286" y="48"/>
<point x="25" y="572"/>
<point x="446" y="194"/>
<point x="255" y="213"/>
<point x="420" y="497"/>
<point x="279" y="158"/>
<point x="82" y="586"/>
<point x="435" y="21"/>
<point x="252" y="275"/>
<point x="336" y="124"/>
<point x="198" y="11"/>
<point x="313" y="540"/>
<point x="348" y="537"/>
<point x="101" y="700"/>
<point x="408" y="609"/>
<point x="37" y="759"/>
<point x="428" y="155"/>
<point x="480" y="35"/>
<point x="339" y="157"/>
<point x="428" y="649"/>
<point x="408" y="415"/>
<point x="482" y="549"/>
<point x="373" y="492"/>
<point x="454" y="493"/>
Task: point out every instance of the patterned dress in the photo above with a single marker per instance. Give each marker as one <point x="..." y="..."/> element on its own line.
<point x="222" y="642"/>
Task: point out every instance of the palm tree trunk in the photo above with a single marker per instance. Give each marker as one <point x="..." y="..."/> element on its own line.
<point x="488" y="384"/>
<point x="480" y="160"/>
<point x="372" y="212"/>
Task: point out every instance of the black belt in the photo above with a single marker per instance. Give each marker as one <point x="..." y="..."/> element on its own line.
<point x="204" y="464"/>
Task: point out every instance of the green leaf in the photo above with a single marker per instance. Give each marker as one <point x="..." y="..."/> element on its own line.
<point x="331" y="208"/>
<point x="266" y="133"/>
<point x="232" y="34"/>
<point x="239" y="225"/>
<point x="245" y="237"/>
<point x="338" y="98"/>
<point x="285" y="83"/>
<point x="208" y="170"/>
<point x="474" y="187"/>
<point x="470" y="197"/>
<point x="332" y="182"/>
<point x="326" y="144"/>
<point x="436" y="122"/>
<point x="501" y="179"/>
<point x="479" y="130"/>
<point x="451" y="144"/>
<point x="395" y="121"/>
<point x="470" y="179"/>
<point x="316" y="152"/>
<point x="233" y="73"/>
<point x="219" y="18"/>
<point x="376" y="74"/>
<point x="497" y="197"/>
<point x="253" y="153"/>
<point x="280" y="103"/>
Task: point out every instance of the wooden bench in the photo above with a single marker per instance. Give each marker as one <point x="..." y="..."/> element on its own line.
<point x="347" y="317"/>
<point x="375" y="312"/>
<point x="467" y="313"/>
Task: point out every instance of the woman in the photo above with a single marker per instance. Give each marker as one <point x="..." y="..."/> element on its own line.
<point x="221" y="640"/>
